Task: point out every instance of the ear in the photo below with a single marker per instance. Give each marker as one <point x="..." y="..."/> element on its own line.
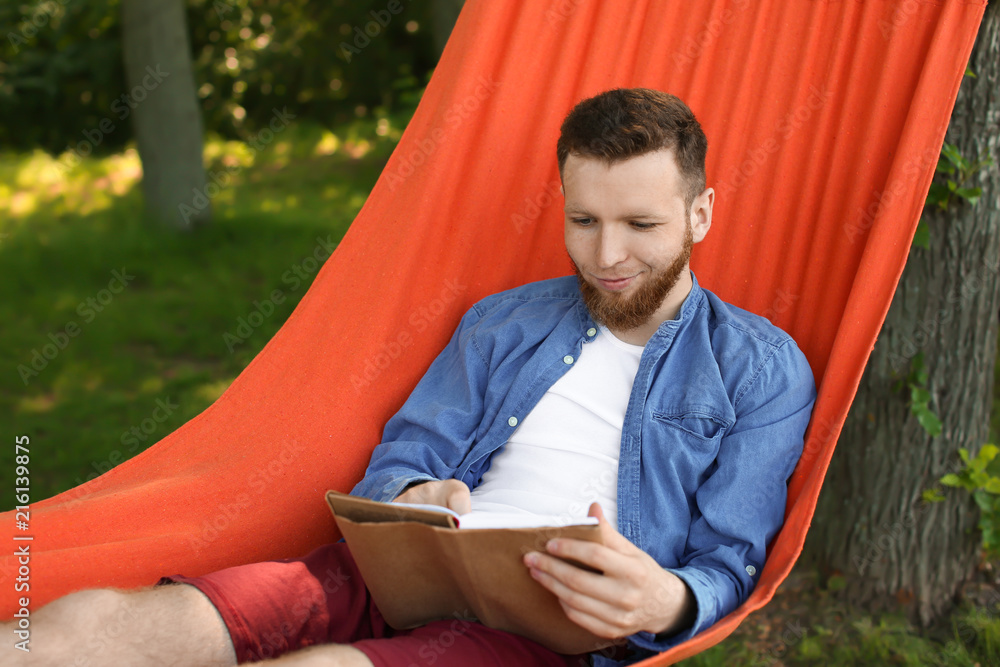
<point x="701" y="214"/>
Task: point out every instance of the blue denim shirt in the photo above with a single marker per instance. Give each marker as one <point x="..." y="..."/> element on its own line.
<point x="713" y="428"/>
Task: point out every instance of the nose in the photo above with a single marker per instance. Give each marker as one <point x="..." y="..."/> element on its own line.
<point x="611" y="246"/>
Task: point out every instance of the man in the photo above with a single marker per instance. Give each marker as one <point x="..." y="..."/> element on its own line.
<point x="676" y="417"/>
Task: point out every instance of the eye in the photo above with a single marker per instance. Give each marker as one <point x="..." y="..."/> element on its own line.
<point x="583" y="222"/>
<point x="642" y="226"/>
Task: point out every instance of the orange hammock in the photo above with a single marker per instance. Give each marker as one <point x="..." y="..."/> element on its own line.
<point x="824" y="121"/>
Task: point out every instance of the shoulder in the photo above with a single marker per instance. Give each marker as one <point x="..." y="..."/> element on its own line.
<point x="560" y="294"/>
<point x="754" y="355"/>
<point x="729" y="320"/>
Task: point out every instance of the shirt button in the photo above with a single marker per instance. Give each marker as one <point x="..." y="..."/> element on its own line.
<point x="567" y="359"/>
<point x="751" y="570"/>
<point x="512" y="421"/>
<point x="591" y="331"/>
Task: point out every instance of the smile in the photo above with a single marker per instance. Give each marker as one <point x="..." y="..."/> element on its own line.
<point x="616" y="284"/>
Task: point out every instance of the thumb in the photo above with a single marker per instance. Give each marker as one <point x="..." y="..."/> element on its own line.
<point x="596" y="511"/>
<point x="609" y="536"/>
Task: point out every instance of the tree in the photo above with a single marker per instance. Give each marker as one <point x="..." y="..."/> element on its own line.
<point x="934" y="357"/>
<point x="165" y="114"/>
<point x="444" y="13"/>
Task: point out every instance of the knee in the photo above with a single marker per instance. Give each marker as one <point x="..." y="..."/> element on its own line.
<point x="86" y="608"/>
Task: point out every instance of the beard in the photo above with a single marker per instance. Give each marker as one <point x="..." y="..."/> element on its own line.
<point x="620" y="312"/>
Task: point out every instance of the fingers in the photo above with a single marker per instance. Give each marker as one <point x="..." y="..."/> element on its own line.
<point x="457" y="496"/>
<point x="450" y="493"/>
<point x="588" y="612"/>
<point x="611" y="537"/>
<point x="571" y="577"/>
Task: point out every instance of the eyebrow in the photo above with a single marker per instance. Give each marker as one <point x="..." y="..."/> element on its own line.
<point x="628" y="216"/>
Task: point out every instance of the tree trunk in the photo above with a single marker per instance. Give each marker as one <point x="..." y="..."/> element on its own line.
<point x="165" y="114"/>
<point x="871" y="525"/>
<point x="444" y="13"/>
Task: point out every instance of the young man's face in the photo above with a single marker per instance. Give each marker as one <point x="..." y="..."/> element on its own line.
<point x="630" y="234"/>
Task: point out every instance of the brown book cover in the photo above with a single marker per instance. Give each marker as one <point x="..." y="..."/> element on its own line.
<point x="420" y="567"/>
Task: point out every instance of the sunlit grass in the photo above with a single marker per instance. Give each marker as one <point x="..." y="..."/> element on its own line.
<point x="84" y="359"/>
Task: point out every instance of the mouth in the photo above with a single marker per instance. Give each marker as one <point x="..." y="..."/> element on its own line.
<point x="615" y="284"/>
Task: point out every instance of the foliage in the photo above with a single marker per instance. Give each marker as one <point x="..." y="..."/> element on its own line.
<point x="920" y="396"/>
<point x="958" y="170"/>
<point x="805" y="625"/>
<point x="981" y="478"/>
<point x="61" y="66"/>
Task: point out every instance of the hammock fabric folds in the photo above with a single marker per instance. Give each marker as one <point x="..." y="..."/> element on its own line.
<point x="824" y="121"/>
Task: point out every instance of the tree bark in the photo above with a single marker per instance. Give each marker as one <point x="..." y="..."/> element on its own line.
<point x="166" y="118"/>
<point x="871" y="524"/>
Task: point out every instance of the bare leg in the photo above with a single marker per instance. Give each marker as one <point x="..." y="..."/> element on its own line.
<point x="328" y="655"/>
<point x="155" y="627"/>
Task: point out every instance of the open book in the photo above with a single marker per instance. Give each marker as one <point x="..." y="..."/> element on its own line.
<point x="481" y="520"/>
<point x="424" y="563"/>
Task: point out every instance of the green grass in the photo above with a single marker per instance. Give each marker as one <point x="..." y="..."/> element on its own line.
<point x="807" y="626"/>
<point x="161" y="337"/>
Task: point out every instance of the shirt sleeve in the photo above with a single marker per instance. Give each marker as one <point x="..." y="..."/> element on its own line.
<point x="430" y="435"/>
<point x="740" y="506"/>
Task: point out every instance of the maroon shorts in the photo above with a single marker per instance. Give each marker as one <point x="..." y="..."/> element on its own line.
<point x="275" y="607"/>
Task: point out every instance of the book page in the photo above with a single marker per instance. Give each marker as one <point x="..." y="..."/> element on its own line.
<point x="478" y="520"/>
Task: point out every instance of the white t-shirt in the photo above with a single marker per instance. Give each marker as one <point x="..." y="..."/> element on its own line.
<point x="564" y="454"/>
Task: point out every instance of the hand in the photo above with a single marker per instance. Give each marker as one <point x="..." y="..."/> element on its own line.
<point x="450" y="493"/>
<point x="634" y="593"/>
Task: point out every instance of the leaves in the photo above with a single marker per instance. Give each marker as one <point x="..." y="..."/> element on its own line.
<point x="920" y="396"/>
<point x="922" y="237"/>
<point x="980" y="478"/>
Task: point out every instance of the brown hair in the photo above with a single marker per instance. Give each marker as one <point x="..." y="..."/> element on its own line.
<point x="627" y="122"/>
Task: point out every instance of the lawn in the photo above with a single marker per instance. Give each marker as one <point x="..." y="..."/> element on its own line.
<point x="117" y="332"/>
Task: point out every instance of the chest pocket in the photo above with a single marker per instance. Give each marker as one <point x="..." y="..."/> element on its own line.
<point x="693" y="436"/>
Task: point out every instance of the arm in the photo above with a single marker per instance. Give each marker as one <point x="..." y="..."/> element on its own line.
<point x="432" y="432"/>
